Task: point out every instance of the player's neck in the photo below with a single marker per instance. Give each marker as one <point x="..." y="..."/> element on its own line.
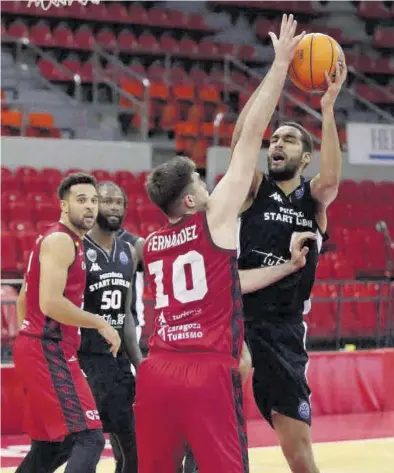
<point x="105" y="239"/>
<point x="289" y="186"/>
<point x="79" y="232"/>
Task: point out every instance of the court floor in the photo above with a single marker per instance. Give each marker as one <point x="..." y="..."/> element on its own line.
<point x="354" y="456"/>
<point x="354" y="443"/>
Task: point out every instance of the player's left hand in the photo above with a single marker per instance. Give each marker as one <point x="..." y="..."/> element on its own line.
<point x="298" y="250"/>
<point x="334" y="86"/>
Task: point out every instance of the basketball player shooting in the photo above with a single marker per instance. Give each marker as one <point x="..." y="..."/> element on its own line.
<point x="60" y="408"/>
<point x="280" y="203"/>
<point x="192" y="266"/>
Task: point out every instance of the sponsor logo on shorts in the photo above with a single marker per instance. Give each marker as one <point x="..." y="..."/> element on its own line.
<point x="304" y="410"/>
<point x="92" y="415"/>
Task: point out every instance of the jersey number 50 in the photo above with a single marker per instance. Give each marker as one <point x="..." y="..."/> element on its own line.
<point x="181" y="292"/>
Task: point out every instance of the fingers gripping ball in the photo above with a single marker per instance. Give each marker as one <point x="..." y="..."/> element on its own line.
<point x="315" y="54"/>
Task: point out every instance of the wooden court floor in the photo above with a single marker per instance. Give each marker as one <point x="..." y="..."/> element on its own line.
<point x="355" y="456"/>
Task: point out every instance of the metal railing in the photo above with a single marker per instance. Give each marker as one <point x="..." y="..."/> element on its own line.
<point x="359" y="77"/>
<point x="112" y="78"/>
<point x="100" y="76"/>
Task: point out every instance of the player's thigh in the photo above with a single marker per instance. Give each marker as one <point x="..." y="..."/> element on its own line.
<point x="216" y="430"/>
<point x="160" y="443"/>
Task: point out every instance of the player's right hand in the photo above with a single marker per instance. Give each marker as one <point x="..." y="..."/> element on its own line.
<point x="286" y="44"/>
<point x="112" y="337"/>
<point x="298" y="250"/>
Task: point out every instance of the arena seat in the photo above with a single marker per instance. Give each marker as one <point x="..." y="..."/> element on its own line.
<point x="9" y="319"/>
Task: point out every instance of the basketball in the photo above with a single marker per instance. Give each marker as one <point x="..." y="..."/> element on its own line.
<point x="315" y="54"/>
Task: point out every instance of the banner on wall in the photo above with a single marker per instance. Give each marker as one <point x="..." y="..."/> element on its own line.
<point x="370" y="144"/>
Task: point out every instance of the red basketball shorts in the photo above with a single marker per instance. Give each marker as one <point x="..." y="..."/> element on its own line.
<point x="193" y="400"/>
<point x="58" y="400"/>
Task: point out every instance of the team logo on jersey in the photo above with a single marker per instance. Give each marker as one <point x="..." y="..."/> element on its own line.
<point x="95" y="267"/>
<point x="123" y="258"/>
<point x="304" y="410"/>
<point x="91" y="255"/>
<point x="276" y="197"/>
<point x="299" y="192"/>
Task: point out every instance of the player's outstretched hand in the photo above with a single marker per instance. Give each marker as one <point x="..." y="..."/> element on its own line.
<point x="112" y="337"/>
<point x="334" y="86"/>
<point x="286" y="44"/>
<point x="298" y="250"/>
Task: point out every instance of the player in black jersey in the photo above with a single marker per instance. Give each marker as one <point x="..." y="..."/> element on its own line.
<point x="138" y="281"/>
<point x="110" y="264"/>
<point x="281" y="203"/>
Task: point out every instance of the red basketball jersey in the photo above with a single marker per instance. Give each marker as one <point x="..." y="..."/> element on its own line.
<point x="38" y="324"/>
<point x="198" y="300"/>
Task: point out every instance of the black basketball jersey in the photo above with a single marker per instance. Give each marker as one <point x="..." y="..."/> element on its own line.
<point x="265" y="231"/>
<point x="108" y="279"/>
<point x="132" y="239"/>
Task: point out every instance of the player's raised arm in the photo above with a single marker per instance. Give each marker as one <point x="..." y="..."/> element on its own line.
<point x="21" y="304"/>
<point x="229" y="195"/>
<point x="258" y="278"/>
<point x="56" y="256"/>
<point x="324" y="186"/>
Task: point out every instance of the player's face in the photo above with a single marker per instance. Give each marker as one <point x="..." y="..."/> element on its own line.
<point x="111" y="209"/>
<point x="199" y="193"/>
<point x="285" y="153"/>
<point x="81" y="206"/>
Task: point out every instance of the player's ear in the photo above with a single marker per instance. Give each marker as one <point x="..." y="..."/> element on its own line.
<point x="306" y="159"/>
<point x="189" y="202"/>
<point x="64" y="206"/>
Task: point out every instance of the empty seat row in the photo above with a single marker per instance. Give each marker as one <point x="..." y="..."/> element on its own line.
<point x="115" y="12"/>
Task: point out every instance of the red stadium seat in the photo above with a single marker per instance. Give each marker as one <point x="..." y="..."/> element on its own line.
<point x="9" y="319"/>
<point x="23" y="226"/>
<point x="19" y="210"/>
<point x="321" y="320"/>
<point x="9" y="253"/>
<point x="46" y="211"/>
<point x="41" y="34"/>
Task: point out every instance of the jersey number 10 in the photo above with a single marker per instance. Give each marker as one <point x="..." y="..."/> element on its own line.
<point x="178" y="277"/>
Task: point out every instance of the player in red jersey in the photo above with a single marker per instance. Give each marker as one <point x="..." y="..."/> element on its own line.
<point x="60" y="408"/>
<point x="189" y="389"/>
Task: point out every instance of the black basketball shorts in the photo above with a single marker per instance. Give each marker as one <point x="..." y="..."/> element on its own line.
<point x="113" y="387"/>
<point x="280" y="363"/>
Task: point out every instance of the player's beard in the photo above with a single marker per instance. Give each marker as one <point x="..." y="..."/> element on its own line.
<point x="80" y="222"/>
<point x="105" y="224"/>
<point x="285" y="174"/>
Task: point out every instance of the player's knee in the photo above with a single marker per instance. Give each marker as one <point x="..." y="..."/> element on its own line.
<point x="92" y="439"/>
<point x="298" y="453"/>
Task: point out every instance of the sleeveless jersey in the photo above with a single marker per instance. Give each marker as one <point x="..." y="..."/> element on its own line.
<point x="38" y="324"/>
<point x="265" y="231"/>
<point x="198" y="301"/>
<point x="132" y="239"/>
<point x="107" y="283"/>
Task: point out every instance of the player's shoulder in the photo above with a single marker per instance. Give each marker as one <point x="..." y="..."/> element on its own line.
<point x="57" y="238"/>
<point x="125" y="235"/>
<point x="58" y="244"/>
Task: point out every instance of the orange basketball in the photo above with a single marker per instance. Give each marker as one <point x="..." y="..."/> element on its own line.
<point x="315" y="54"/>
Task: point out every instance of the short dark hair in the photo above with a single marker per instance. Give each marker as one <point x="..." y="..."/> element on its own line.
<point x="306" y="138"/>
<point x="167" y="183"/>
<point x="112" y="184"/>
<point x="72" y="180"/>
